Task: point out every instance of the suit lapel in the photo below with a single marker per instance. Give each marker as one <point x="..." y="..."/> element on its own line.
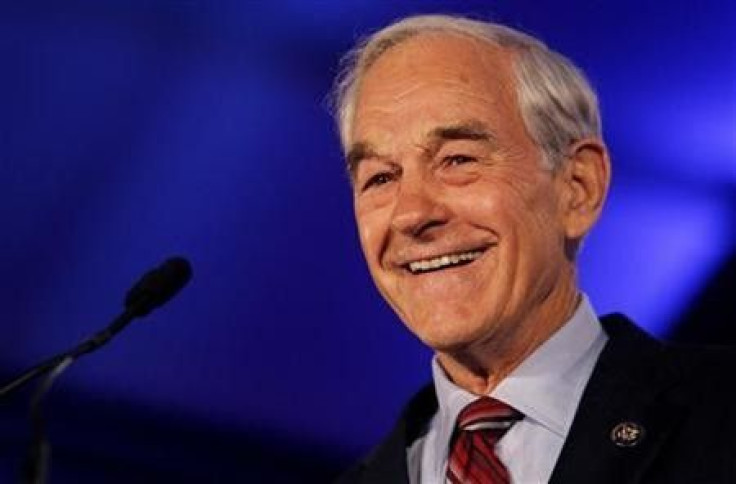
<point x="627" y="392"/>
<point x="387" y="464"/>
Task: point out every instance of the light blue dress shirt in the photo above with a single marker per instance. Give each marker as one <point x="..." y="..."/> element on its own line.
<point x="546" y="387"/>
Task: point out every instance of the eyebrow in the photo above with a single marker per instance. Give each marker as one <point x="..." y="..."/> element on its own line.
<point x="357" y="153"/>
<point x="466" y="130"/>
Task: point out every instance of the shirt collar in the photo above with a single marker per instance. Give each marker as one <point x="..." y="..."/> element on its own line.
<point x="546" y="386"/>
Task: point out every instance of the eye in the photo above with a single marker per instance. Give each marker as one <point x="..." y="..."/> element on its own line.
<point x="377" y="180"/>
<point x="455" y="160"/>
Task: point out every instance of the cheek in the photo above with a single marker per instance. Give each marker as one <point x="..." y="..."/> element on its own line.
<point x="532" y="199"/>
<point x="540" y="232"/>
<point x="370" y="230"/>
<point x="521" y="212"/>
<point x="544" y="212"/>
<point x="494" y="206"/>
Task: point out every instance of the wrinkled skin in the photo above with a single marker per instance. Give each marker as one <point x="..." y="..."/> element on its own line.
<point x="443" y="164"/>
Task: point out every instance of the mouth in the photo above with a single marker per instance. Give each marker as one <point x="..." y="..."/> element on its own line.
<point x="445" y="261"/>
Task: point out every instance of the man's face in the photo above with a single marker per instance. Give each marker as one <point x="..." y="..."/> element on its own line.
<point x="459" y="220"/>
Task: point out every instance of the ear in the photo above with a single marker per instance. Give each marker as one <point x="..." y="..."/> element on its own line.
<point x="585" y="178"/>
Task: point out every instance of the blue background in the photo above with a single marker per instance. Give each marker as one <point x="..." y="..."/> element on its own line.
<point x="133" y="131"/>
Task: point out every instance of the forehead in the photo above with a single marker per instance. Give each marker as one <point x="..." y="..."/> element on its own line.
<point x="435" y="77"/>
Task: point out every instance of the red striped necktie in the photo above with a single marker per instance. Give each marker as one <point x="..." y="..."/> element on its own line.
<point x="480" y="426"/>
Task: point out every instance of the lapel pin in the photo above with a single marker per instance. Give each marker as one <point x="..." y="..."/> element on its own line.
<point x="627" y="434"/>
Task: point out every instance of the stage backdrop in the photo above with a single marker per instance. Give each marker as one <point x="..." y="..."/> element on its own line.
<point x="134" y="131"/>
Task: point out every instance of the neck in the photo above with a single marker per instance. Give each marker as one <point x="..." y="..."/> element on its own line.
<point x="479" y="368"/>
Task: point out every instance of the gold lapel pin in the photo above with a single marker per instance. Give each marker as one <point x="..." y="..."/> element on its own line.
<point x="627" y="434"/>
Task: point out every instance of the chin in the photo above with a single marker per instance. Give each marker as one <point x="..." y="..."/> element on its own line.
<point x="445" y="337"/>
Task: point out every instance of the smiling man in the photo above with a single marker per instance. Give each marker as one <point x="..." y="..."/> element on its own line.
<point x="478" y="166"/>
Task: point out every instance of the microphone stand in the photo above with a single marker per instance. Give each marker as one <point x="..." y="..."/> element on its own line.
<point x="87" y="346"/>
<point x="36" y="465"/>
<point x="35" y="469"/>
<point x="155" y="288"/>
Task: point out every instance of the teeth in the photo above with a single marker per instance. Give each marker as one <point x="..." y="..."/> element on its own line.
<point x="443" y="261"/>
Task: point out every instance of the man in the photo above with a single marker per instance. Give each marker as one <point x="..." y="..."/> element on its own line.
<point x="478" y="167"/>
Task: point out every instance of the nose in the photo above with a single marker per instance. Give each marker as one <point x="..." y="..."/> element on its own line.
<point x="418" y="209"/>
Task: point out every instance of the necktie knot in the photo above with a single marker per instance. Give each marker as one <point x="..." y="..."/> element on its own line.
<point x="489" y="414"/>
<point x="472" y="457"/>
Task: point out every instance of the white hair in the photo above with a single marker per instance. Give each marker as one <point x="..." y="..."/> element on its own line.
<point x="556" y="101"/>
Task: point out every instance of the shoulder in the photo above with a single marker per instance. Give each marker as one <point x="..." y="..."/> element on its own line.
<point x="387" y="461"/>
<point x="678" y="396"/>
<point x="631" y="349"/>
<point x="640" y="375"/>
<point x="706" y="370"/>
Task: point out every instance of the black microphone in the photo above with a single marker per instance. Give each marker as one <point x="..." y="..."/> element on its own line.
<point x="158" y="286"/>
<point x="155" y="288"/>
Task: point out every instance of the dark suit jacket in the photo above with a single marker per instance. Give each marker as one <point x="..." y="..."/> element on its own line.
<point x="683" y="398"/>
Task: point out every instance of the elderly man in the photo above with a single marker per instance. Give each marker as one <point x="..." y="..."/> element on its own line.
<point x="478" y="167"/>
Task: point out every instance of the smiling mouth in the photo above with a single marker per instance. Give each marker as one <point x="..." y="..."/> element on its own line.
<point x="443" y="262"/>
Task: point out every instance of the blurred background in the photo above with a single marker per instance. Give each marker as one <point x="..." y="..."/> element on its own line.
<point x="131" y="131"/>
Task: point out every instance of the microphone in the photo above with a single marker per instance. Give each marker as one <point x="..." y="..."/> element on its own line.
<point x="158" y="286"/>
<point x="154" y="289"/>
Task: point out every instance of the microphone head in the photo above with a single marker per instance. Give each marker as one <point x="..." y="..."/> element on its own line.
<point x="158" y="286"/>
